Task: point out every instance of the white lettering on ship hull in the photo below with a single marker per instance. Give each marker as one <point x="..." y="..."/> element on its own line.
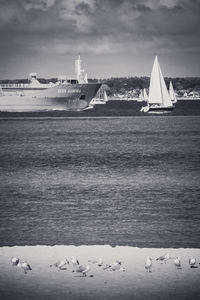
<point x="63" y="91"/>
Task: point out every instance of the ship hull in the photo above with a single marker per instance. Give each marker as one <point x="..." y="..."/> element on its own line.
<point x="74" y="97"/>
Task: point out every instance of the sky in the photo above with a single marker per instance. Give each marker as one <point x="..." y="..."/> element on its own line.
<point x="115" y="38"/>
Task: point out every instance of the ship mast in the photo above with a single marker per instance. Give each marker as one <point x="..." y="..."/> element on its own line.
<point x="81" y="75"/>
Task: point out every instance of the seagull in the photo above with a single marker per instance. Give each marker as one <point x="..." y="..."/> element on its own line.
<point x="192" y="262"/>
<point x="177" y="263"/>
<point x="19" y="265"/>
<point x="83" y="269"/>
<point x="118" y="262"/>
<point x="25" y="266"/>
<point x="107" y="266"/>
<point x="116" y="265"/>
<point x="14" y="261"/>
<point x="148" y="264"/>
<point x="60" y="264"/>
<point x="163" y="258"/>
<point x="75" y="262"/>
<point x="99" y="262"/>
<point x="93" y="261"/>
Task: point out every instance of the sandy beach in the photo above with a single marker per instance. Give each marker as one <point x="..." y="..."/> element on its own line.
<point x="45" y="282"/>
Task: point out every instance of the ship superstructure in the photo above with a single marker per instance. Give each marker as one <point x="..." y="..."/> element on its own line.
<point x="68" y="93"/>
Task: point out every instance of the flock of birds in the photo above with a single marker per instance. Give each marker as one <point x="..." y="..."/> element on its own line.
<point x="164" y="258"/>
<point x="115" y="266"/>
<point x="76" y="266"/>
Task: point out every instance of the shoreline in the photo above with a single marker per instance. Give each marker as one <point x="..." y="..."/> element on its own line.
<point x="45" y="282"/>
<point x="71" y="118"/>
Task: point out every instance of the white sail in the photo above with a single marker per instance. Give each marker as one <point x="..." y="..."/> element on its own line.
<point x="145" y="97"/>
<point x="158" y="93"/>
<point x="105" y="96"/>
<point x="85" y="78"/>
<point x="171" y="93"/>
<point x="100" y="98"/>
<point x="141" y="96"/>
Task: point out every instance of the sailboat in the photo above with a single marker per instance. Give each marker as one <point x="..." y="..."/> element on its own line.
<point x="172" y="93"/>
<point x="100" y="98"/>
<point x="143" y="95"/>
<point x="159" y="99"/>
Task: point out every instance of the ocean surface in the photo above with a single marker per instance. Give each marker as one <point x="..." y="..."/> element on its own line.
<point x="120" y="180"/>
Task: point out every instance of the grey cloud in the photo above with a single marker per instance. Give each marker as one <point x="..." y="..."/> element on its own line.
<point x="101" y="26"/>
<point x="10" y="14"/>
<point x="38" y="4"/>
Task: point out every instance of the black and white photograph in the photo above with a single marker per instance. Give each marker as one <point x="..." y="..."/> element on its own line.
<point x="99" y="149"/>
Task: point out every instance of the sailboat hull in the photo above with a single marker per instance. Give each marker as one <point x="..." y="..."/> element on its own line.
<point x="156" y="109"/>
<point x="160" y="109"/>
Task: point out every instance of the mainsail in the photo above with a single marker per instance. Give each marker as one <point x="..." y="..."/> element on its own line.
<point x="105" y="96"/>
<point x="145" y="97"/>
<point x="171" y="93"/>
<point x="100" y="98"/>
<point x="158" y="93"/>
<point x="141" y="96"/>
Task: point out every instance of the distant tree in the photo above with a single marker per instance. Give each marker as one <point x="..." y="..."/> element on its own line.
<point x="125" y="84"/>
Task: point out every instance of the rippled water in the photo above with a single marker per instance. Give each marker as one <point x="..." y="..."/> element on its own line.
<point x="118" y="181"/>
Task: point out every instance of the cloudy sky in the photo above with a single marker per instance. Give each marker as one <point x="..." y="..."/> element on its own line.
<point x="114" y="37"/>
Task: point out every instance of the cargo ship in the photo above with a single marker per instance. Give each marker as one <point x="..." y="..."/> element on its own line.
<point x="68" y="93"/>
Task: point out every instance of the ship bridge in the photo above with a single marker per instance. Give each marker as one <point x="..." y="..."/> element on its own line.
<point x="65" y="79"/>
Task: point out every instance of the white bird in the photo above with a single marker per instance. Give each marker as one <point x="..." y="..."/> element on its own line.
<point x="60" y="264"/>
<point x="107" y="266"/>
<point x="14" y="261"/>
<point x="177" y="263"/>
<point x="75" y="262"/>
<point x="192" y="262"/>
<point x="163" y="258"/>
<point x="99" y="262"/>
<point x="19" y="265"/>
<point x="93" y="261"/>
<point x="25" y="266"/>
<point x="118" y="262"/>
<point x="116" y="265"/>
<point x="148" y="264"/>
<point x="83" y="269"/>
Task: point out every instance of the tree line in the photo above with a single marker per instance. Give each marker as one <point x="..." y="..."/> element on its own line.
<point x="115" y="85"/>
<point x="124" y="84"/>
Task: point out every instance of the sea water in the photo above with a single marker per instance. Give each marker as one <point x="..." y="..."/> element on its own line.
<point x="100" y="180"/>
